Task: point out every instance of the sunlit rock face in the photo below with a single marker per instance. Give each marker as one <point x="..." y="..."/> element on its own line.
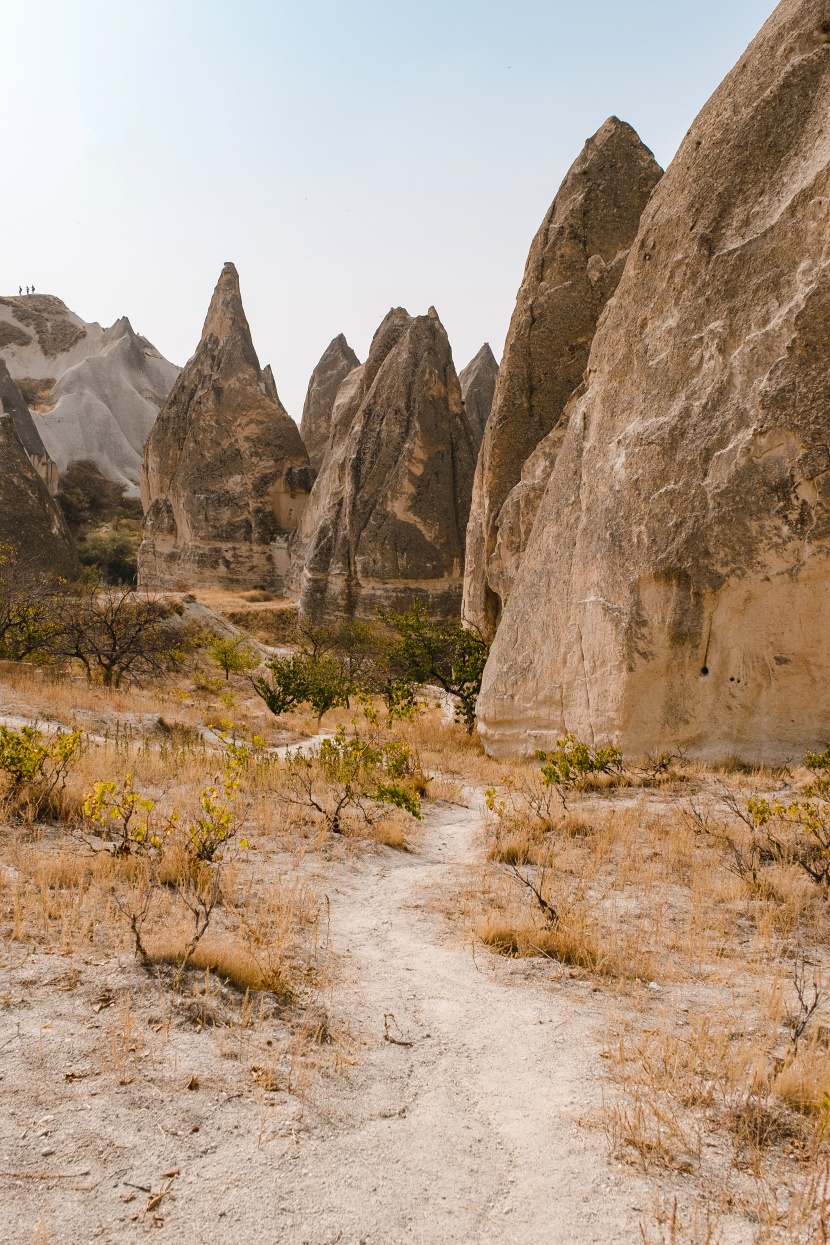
<point x="574" y="265"/>
<point x="225" y="474"/>
<point x="388" y="511"/>
<point x="94" y="393"/>
<point x="675" y="590"/>
<point x="337" y="361"/>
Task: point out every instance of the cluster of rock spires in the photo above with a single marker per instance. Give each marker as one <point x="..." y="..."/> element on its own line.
<point x="645" y="529"/>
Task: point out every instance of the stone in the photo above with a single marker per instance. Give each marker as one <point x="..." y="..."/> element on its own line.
<point x="388" y="511"/>
<point x="337" y="361"/>
<point x="12" y="403"/>
<point x="225" y="474"/>
<point x="675" y="590"/>
<point x="573" y="268"/>
<point x="31" y="522"/>
<point x="478" y="386"/>
<point x="94" y="393"/>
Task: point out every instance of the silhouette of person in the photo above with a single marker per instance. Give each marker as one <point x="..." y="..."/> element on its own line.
<point x="27" y="289"/>
<point x="20" y="289"/>
<point x="33" y="289"/>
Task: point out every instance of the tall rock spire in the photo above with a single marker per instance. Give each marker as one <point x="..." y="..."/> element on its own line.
<point x="337" y="360"/>
<point x="388" y="512"/>
<point x="676" y="587"/>
<point x="575" y="262"/>
<point x="478" y="388"/>
<point x="31" y="522"/>
<point x="225" y="474"/>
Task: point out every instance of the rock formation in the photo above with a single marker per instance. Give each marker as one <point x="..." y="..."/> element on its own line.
<point x="676" y="587"/>
<point x="31" y="522"/>
<point x="12" y="403"/>
<point x="478" y="385"/>
<point x="337" y="361"/>
<point x="388" y="512"/>
<point x="225" y="475"/>
<point x="94" y="393"/>
<point x="573" y="268"/>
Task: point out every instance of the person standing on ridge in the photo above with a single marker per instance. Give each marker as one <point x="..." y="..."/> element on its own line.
<point x="33" y="289"/>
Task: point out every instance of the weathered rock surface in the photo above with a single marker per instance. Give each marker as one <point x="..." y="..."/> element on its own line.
<point x="12" y="403"/>
<point x="94" y="392"/>
<point x="478" y="386"/>
<point x="337" y="361"/>
<point x="225" y="475"/>
<point x="388" y="511"/>
<point x="676" y="587"/>
<point x="574" y="265"/>
<point x="31" y="521"/>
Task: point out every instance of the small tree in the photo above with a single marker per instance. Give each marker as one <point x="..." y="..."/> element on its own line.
<point x="285" y="686"/>
<point x="120" y="634"/>
<point x="27" y="606"/>
<point x="234" y="656"/>
<point x="422" y="650"/>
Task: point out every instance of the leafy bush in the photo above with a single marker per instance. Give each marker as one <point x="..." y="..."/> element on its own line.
<point x="36" y="767"/>
<point x="234" y="656"/>
<point x="125" y="820"/>
<point x="348" y="771"/>
<point x="115" y="554"/>
<point x="572" y="761"/>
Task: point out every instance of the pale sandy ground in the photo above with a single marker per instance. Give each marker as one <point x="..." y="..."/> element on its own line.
<point x="479" y="1131"/>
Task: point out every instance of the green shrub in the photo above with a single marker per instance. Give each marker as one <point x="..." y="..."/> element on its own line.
<point x="36" y="767"/>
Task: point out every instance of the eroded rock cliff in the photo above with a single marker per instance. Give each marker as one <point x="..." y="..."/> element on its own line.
<point x="676" y="587"/>
<point x="13" y="403"/>
<point x="32" y="528"/>
<point x="225" y="474"/>
<point x="574" y="265"/>
<point x="388" y="512"/>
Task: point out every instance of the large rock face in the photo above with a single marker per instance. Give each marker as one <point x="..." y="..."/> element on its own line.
<point x="573" y="268"/>
<point x="94" y="393"/>
<point x="31" y="522"/>
<point x="388" y="511"/>
<point x="13" y="403"/>
<point x="478" y="387"/>
<point x="337" y="361"/>
<point x="676" y="588"/>
<point x="225" y="473"/>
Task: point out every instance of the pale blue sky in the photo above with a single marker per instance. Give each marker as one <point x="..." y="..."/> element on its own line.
<point x="347" y="157"/>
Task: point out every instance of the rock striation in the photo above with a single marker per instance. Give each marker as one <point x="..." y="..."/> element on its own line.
<point x="12" y="403"/>
<point x="478" y="387"/>
<point x="337" y="361"/>
<point x="94" y="392"/>
<point x="388" y="511"/>
<point x="676" y="587"/>
<point x="31" y="522"/>
<point x="574" y="265"/>
<point x="225" y="475"/>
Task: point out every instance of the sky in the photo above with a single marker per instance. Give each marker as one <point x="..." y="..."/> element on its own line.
<point x="348" y="157"/>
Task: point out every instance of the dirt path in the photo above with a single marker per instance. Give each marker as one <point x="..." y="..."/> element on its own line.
<point x="469" y="1134"/>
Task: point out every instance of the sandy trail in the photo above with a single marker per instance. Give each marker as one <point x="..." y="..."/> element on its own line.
<point x="469" y="1134"/>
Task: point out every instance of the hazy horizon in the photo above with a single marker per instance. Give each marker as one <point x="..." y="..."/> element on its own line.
<point x="346" y="158"/>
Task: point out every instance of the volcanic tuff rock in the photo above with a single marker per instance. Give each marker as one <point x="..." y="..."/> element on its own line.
<point x="390" y="505"/>
<point x="12" y="403"/>
<point x="30" y="520"/>
<point x="575" y="262"/>
<point x="337" y="361"/>
<point x="478" y="385"/>
<point x="676" y="588"/>
<point x="95" y="393"/>
<point x="225" y="473"/>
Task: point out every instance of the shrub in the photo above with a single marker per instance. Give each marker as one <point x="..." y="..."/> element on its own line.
<point x="234" y="656"/>
<point x="348" y="771"/>
<point x="572" y="761"/>
<point x="36" y="767"/>
<point x="114" y="553"/>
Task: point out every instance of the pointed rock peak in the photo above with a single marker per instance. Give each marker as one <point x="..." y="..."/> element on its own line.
<point x="338" y="349"/>
<point x="478" y="387"/>
<point x="226" y="312"/>
<point x="270" y="383"/>
<point x="483" y="359"/>
<point x="433" y="314"/>
<point x="387" y="336"/>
